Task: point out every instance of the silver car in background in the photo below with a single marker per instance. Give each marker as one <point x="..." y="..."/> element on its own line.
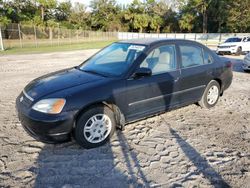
<point x="246" y="63"/>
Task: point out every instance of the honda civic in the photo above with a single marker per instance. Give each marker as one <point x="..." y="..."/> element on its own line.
<point x="124" y="82"/>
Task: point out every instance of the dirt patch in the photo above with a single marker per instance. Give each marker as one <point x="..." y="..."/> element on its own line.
<point x="185" y="147"/>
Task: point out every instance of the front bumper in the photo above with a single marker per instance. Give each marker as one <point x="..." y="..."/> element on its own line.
<point x="44" y="127"/>
<point x="226" y="50"/>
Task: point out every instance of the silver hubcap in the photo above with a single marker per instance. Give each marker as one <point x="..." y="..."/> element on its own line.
<point x="212" y="95"/>
<point x="97" y="128"/>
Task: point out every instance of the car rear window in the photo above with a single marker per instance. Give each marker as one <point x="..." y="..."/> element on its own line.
<point x="207" y="57"/>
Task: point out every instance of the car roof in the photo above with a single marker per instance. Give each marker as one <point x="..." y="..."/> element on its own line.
<point x="150" y="41"/>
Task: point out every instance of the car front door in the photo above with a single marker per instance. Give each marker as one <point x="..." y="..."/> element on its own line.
<point x="196" y="72"/>
<point x="246" y="45"/>
<point x="151" y="94"/>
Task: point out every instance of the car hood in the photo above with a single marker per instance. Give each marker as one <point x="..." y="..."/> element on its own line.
<point x="229" y="44"/>
<point x="57" y="81"/>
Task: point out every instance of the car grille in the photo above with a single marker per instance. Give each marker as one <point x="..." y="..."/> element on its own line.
<point x="224" y="46"/>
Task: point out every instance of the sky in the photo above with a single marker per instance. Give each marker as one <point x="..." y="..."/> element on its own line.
<point x="87" y="2"/>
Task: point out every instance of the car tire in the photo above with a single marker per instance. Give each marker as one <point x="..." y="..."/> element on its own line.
<point x="211" y="95"/>
<point x="239" y="51"/>
<point x="95" y="127"/>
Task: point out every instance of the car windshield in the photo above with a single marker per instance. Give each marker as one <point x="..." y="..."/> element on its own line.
<point x="113" y="60"/>
<point x="233" y="40"/>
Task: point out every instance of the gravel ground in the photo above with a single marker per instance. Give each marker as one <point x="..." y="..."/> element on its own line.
<point x="187" y="147"/>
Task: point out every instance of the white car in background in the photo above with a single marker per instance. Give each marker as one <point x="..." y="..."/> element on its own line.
<point x="246" y="63"/>
<point x="234" y="45"/>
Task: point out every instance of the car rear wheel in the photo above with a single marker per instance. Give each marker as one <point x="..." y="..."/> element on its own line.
<point x="211" y="95"/>
<point x="239" y="51"/>
<point x="95" y="127"/>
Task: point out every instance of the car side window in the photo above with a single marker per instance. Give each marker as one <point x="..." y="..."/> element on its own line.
<point x="161" y="60"/>
<point x="191" y="56"/>
<point x="207" y="57"/>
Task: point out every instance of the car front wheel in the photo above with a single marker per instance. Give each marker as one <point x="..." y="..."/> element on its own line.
<point x="211" y="95"/>
<point x="95" y="127"/>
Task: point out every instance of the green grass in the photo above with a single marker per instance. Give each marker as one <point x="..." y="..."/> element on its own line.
<point x="68" y="47"/>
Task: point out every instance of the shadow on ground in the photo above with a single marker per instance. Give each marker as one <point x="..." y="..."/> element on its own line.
<point x="112" y="165"/>
<point x="69" y="165"/>
<point x="200" y="162"/>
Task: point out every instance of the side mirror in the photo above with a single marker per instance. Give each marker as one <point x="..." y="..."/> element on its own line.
<point x="142" y="72"/>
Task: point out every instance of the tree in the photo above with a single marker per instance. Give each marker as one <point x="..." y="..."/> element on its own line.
<point x="217" y="16"/>
<point x="170" y="21"/>
<point x="156" y="11"/>
<point x="4" y="20"/>
<point x="187" y="22"/>
<point x="17" y="10"/>
<point x="46" y="5"/>
<point x="79" y="18"/>
<point x="140" y="16"/>
<point x="136" y="17"/>
<point x="239" y="16"/>
<point x="105" y="15"/>
<point x="193" y="15"/>
<point x="63" y="11"/>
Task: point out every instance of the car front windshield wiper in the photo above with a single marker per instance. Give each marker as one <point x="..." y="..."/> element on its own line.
<point x="94" y="72"/>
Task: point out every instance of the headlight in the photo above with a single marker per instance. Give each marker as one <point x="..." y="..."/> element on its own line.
<point x="49" y="106"/>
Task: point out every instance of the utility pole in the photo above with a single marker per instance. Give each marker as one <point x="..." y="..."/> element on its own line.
<point x="1" y="40"/>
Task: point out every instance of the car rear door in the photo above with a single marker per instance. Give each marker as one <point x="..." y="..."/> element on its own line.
<point x="152" y="94"/>
<point x="196" y="72"/>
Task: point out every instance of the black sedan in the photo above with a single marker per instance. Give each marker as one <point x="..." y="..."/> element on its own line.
<point x="123" y="82"/>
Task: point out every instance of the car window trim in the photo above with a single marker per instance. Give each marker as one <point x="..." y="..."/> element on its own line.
<point x="195" y="66"/>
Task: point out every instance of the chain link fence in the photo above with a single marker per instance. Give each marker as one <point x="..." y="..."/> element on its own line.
<point x="21" y="36"/>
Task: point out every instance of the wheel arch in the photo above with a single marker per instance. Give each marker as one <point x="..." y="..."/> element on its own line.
<point x="220" y="83"/>
<point x="119" y="116"/>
